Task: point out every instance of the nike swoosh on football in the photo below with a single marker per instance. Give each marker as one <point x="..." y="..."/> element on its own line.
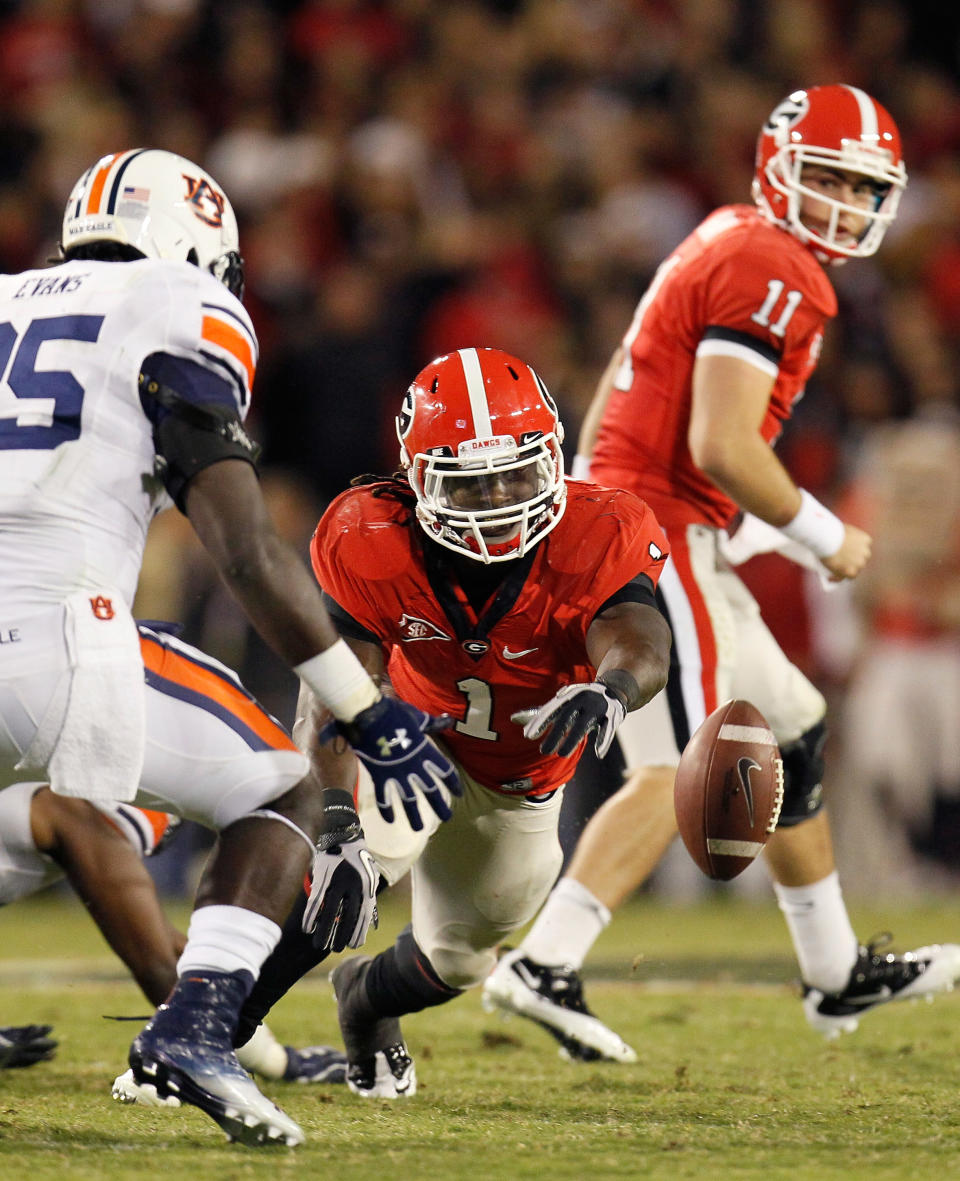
<point x="744" y="767"/>
<point x="508" y="655"/>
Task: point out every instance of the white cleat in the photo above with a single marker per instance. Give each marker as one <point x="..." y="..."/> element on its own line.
<point x="553" y="998"/>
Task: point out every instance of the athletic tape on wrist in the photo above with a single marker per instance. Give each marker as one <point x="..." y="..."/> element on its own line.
<point x="816" y="527"/>
<point x="339" y="680"/>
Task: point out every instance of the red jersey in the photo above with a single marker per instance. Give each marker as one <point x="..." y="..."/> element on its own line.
<point x="739" y="286"/>
<point x="528" y="643"/>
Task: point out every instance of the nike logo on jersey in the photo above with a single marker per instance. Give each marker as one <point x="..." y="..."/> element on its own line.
<point x="508" y="655"/>
<point x="744" y="767"/>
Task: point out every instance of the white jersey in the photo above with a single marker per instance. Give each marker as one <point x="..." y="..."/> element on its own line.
<point x="77" y="481"/>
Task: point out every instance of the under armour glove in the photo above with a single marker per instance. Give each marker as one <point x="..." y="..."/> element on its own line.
<point x="25" y="1045"/>
<point x="573" y="713"/>
<point x="391" y="738"/>
<point x="343" y="894"/>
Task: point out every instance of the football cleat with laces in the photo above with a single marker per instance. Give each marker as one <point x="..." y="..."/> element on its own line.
<point x="878" y="977"/>
<point x="378" y="1063"/>
<point x="185" y="1055"/>
<point x="553" y="998"/>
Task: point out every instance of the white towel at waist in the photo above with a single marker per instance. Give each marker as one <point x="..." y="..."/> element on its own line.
<point x="97" y="751"/>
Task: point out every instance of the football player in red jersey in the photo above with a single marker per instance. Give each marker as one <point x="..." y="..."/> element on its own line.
<point x="483" y="585"/>
<point x="686" y="416"/>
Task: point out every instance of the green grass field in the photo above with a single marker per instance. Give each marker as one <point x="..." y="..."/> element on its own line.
<point x="730" y="1083"/>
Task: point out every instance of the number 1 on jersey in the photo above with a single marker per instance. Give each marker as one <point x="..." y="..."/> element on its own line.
<point x="479" y="709"/>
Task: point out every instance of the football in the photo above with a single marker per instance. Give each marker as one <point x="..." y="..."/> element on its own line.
<point x="728" y="790"/>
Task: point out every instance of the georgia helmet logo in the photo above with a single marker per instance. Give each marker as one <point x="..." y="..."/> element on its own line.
<point x="405" y="417"/>
<point x="206" y="201"/>
<point x="785" y="114"/>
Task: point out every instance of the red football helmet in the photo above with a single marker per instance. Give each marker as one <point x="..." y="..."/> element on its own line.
<point x="480" y="441"/>
<point x="835" y="127"/>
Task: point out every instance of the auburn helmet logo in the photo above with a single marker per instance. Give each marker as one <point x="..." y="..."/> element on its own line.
<point x="207" y="203"/>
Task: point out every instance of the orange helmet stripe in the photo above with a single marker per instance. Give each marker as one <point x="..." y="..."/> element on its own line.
<point x="219" y="333"/>
<point x="99" y="183"/>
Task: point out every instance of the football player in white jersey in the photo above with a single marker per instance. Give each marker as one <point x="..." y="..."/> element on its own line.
<point x="125" y="377"/>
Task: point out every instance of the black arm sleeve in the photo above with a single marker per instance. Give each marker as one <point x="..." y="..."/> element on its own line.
<point x="638" y="590"/>
<point x="346" y="625"/>
<point x="195" y="420"/>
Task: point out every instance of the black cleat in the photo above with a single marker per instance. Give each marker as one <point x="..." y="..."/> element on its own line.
<point x="378" y="1064"/>
<point x="880" y="977"/>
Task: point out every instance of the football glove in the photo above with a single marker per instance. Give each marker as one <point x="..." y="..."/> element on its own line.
<point x="573" y="713"/>
<point x="25" y="1045"/>
<point x="342" y="905"/>
<point x="391" y="739"/>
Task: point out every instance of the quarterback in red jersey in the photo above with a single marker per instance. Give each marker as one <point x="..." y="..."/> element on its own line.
<point x="686" y="416"/>
<point x="485" y="586"/>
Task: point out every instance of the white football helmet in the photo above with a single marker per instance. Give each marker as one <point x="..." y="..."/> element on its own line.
<point x="160" y="205"/>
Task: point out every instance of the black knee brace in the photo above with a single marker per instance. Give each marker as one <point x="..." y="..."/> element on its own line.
<point x="803" y="776"/>
<point x="402" y="980"/>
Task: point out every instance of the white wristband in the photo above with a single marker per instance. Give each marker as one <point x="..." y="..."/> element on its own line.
<point x="580" y="468"/>
<point x="816" y="527"/>
<point x="339" y="680"/>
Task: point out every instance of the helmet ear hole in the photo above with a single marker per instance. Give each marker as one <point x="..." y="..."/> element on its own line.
<point x="193" y="257"/>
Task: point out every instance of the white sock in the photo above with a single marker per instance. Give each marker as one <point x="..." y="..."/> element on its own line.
<point x="263" y="1053"/>
<point x="567" y="926"/>
<point x="228" y="939"/>
<point x="819" y="926"/>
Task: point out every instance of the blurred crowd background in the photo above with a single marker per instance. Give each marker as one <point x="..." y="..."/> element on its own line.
<point x="412" y="176"/>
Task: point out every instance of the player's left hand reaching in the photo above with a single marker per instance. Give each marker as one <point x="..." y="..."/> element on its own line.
<point x="392" y="740"/>
<point x="573" y="713"/>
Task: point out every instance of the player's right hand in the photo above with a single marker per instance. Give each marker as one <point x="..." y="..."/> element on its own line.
<point x="852" y="555"/>
<point x="392" y="740"/>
